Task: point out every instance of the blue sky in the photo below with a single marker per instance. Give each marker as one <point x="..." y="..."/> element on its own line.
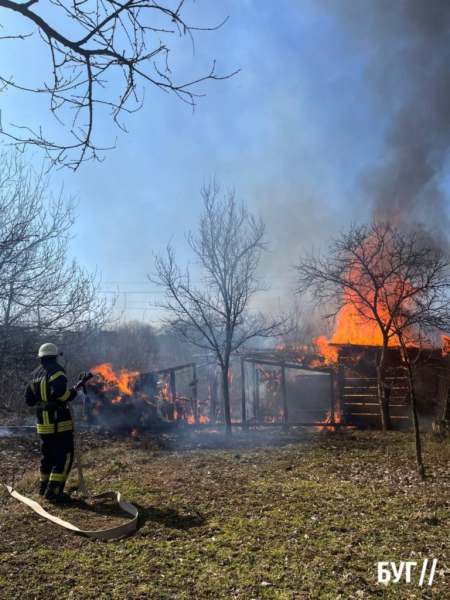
<point x="292" y="132"/>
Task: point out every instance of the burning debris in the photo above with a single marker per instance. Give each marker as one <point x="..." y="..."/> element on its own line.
<point x="285" y="388"/>
<point x="272" y="407"/>
<point x="127" y="400"/>
<point x="116" y="385"/>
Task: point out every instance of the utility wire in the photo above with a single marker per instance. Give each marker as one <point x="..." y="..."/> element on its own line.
<point x="193" y="281"/>
<point x="160" y="292"/>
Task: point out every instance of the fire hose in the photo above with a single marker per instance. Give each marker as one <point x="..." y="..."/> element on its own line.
<point x="102" y="534"/>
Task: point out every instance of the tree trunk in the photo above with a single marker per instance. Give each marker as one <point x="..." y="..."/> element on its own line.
<point x="226" y="398"/>
<point x="417" y="442"/>
<point x="383" y="389"/>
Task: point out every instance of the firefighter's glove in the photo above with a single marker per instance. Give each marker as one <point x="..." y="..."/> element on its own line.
<point x="84" y="377"/>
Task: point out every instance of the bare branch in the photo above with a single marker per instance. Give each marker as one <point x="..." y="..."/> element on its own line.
<point x="216" y="315"/>
<point x="123" y="37"/>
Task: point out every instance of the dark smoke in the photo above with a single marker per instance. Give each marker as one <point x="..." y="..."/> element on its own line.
<point x="409" y="73"/>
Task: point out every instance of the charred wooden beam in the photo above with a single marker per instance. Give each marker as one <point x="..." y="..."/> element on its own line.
<point x="256" y="407"/>
<point x="341" y="393"/>
<point x="173" y="384"/>
<point x="284" y="393"/>
<point x="287" y="365"/>
<point x="281" y="424"/>
<point x="195" y="390"/>
<point x="248" y="424"/>
<point x="332" y="399"/>
<point x="243" y="398"/>
<point x="170" y="369"/>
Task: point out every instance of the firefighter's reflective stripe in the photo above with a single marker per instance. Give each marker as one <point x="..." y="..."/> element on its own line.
<point x="45" y="417"/>
<point x="45" y="476"/>
<point x="45" y="428"/>
<point x="44" y="390"/>
<point x="66" y="466"/>
<point x="58" y="374"/>
<point x="65" y="426"/>
<point x="60" y="427"/>
<point x="61" y="477"/>
<point x="65" y="396"/>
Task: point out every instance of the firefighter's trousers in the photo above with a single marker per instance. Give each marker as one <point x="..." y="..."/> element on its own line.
<point x="57" y="459"/>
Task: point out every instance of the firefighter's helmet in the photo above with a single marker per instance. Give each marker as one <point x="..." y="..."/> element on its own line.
<point x="48" y="350"/>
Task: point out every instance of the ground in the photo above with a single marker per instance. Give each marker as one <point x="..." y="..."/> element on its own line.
<point x="268" y="515"/>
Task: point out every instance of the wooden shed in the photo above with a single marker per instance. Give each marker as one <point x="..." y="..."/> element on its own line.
<point x="357" y="391"/>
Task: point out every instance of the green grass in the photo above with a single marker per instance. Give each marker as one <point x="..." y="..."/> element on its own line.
<point x="306" y="516"/>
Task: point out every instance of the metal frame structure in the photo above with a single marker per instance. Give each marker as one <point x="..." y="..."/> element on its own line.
<point x="283" y="365"/>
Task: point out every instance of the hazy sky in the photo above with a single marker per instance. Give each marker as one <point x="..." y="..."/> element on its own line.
<point x="294" y="132"/>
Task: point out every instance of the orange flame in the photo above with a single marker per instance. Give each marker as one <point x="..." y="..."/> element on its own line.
<point x="122" y="380"/>
<point x="116" y="386"/>
<point x="446" y="341"/>
<point x="230" y="377"/>
<point x="164" y="391"/>
<point x="337" y="419"/>
<point x="356" y="323"/>
<point x="294" y="348"/>
<point x="327" y="352"/>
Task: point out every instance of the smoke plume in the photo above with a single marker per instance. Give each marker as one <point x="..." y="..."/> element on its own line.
<point x="410" y="75"/>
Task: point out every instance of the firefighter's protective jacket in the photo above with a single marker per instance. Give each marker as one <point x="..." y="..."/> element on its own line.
<point x="47" y="391"/>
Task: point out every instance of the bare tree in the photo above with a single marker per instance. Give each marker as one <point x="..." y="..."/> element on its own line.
<point x="41" y="292"/>
<point x="301" y="326"/>
<point x="216" y="316"/>
<point x="87" y="44"/>
<point x="382" y="274"/>
<point x="136" y="347"/>
<point x="423" y="278"/>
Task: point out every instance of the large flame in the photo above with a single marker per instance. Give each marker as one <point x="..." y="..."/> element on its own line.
<point x="112" y="387"/>
<point x="357" y="324"/>
<point x="352" y="327"/>
<point x="123" y="380"/>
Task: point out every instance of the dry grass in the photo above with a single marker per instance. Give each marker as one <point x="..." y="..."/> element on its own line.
<point x="294" y="517"/>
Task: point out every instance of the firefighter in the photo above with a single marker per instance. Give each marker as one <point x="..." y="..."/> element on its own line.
<point x="47" y="391"/>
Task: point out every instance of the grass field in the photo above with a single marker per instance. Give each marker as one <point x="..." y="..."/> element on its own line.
<point x="286" y="516"/>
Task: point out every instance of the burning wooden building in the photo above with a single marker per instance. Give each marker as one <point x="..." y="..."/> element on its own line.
<point x="356" y="384"/>
<point x="323" y="385"/>
<point x="278" y="389"/>
<point x="346" y="393"/>
<point x="129" y="400"/>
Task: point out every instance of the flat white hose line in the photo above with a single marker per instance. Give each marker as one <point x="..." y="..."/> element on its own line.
<point x="103" y="534"/>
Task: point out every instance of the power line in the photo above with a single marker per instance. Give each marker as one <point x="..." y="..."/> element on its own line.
<point x="158" y="292"/>
<point x="193" y="281"/>
<point x="162" y="309"/>
<point x="137" y="308"/>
